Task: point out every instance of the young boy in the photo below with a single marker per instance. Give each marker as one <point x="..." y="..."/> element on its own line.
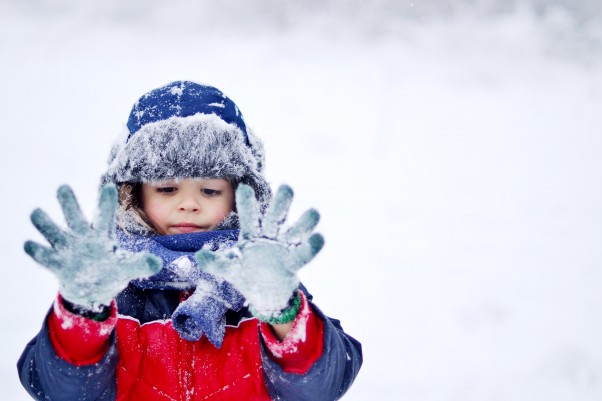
<point x="184" y="287"/>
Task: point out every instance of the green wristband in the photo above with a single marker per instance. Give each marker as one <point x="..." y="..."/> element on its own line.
<point x="286" y="315"/>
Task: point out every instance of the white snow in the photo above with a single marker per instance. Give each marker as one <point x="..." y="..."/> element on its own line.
<point x="67" y="322"/>
<point x="182" y="266"/>
<point x="454" y="159"/>
<point x="176" y="90"/>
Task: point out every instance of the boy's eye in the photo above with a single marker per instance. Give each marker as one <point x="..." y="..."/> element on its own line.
<point x="166" y="190"/>
<point x="210" y="192"/>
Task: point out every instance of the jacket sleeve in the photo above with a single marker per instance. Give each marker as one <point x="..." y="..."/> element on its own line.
<point x="46" y="373"/>
<point x="298" y="371"/>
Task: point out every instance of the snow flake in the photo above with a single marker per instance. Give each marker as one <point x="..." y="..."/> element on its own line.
<point x="177" y="90"/>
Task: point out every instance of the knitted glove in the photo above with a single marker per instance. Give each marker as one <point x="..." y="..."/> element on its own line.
<point x="91" y="269"/>
<point x="204" y="312"/>
<point x="263" y="264"/>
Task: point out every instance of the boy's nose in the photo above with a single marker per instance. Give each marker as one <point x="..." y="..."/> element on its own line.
<point x="189" y="204"/>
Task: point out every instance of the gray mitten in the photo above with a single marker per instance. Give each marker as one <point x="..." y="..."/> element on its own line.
<point x="263" y="264"/>
<point x="90" y="267"/>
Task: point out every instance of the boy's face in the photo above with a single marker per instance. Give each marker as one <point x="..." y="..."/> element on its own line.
<point x="185" y="206"/>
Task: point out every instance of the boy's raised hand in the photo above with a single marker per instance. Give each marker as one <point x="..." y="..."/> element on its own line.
<point x="90" y="267"/>
<point x="264" y="263"/>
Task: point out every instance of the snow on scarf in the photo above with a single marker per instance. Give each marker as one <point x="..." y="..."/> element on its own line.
<point x="204" y="311"/>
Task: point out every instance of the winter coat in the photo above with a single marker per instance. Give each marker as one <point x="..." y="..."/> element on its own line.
<point x="137" y="355"/>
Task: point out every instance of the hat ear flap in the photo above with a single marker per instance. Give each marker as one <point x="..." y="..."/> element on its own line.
<point x="257" y="149"/>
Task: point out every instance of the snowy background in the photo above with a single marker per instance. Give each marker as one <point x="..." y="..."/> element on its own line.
<point x="454" y="149"/>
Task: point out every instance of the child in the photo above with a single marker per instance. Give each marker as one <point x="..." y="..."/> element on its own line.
<point x="184" y="287"/>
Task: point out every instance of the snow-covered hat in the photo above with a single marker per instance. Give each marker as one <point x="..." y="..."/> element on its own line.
<point x="187" y="130"/>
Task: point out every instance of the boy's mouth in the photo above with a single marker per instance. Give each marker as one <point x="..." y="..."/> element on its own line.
<point x="183" y="228"/>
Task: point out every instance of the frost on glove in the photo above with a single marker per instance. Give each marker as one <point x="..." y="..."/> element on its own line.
<point x="89" y="265"/>
<point x="263" y="264"/>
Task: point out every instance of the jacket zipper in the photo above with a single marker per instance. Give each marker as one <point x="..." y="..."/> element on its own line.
<point x="186" y="371"/>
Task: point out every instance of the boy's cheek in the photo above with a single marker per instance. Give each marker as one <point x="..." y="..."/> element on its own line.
<point x="157" y="216"/>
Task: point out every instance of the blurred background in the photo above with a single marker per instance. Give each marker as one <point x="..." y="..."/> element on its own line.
<point x="453" y="149"/>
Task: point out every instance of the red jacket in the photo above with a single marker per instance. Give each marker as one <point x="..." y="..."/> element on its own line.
<point x="137" y="355"/>
<point x="156" y="364"/>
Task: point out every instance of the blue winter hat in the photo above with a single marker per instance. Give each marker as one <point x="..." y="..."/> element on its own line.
<point x="187" y="130"/>
<point x="183" y="99"/>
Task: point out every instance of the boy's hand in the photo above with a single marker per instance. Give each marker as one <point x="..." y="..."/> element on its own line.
<point x="90" y="267"/>
<point x="264" y="263"/>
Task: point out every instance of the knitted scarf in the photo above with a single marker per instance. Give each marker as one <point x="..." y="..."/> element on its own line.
<point x="204" y="311"/>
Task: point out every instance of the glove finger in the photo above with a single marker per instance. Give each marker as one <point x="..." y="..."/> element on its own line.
<point x="205" y="257"/>
<point x="214" y="264"/>
<point x="73" y="213"/>
<point x="154" y="264"/>
<point x="45" y="256"/>
<point x="143" y="265"/>
<point x="276" y="213"/>
<point x="305" y="252"/>
<point x="301" y="230"/>
<point x="107" y="206"/>
<point x="55" y="236"/>
<point x="248" y="212"/>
